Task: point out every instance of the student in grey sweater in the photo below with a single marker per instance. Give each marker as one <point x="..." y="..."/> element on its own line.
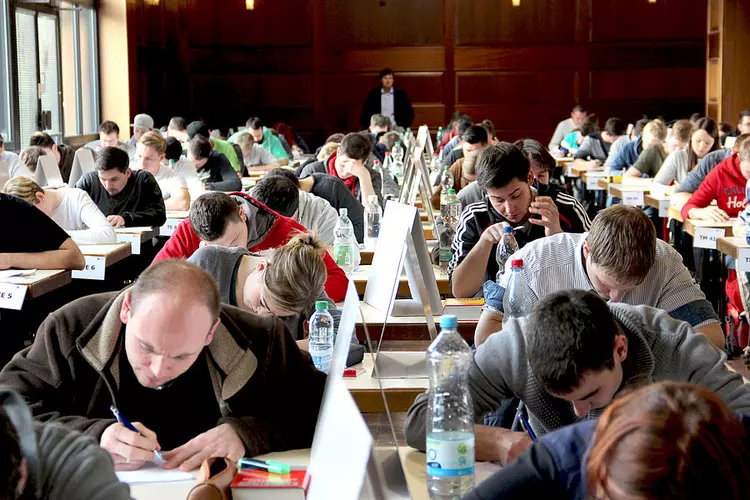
<point x="571" y="357"/>
<point x="284" y="282"/>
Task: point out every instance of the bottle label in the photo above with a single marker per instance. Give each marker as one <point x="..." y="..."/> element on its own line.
<point x="321" y="357"/>
<point x="446" y="255"/>
<point x="344" y="254"/>
<point x="451" y="455"/>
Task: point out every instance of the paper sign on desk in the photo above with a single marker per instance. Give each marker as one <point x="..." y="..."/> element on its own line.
<point x="151" y="473"/>
<point x="570" y="172"/>
<point x="633" y="198"/>
<point x="743" y="260"/>
<point x="663" y="208"/>
<point x="133" y="239"/>
<point x="591" y="184"/>
<point x="170" y="227"/>
<point x="12" y="296"/>
<point x="93" y="270"/>
<point x="705" y="237"/>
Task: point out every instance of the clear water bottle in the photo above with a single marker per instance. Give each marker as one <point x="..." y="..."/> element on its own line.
<point x="519" y="298"/>
<point x="445" y="252"/>
<point x="321" y="337"/>
<point x="450" y="212"/>
<point x="450" y="415"/>
<point x="345" y="248"/>
<point x="507" y="247"/>
<point x="435" y="164"/>
<point x="398" y="169"/>
<point x="373" y="216"/>
<point x="450" y="208"/>
<point x="398" y="152"/>
<point x="446" y="182"/>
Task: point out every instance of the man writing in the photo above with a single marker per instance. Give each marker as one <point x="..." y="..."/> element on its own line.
<point x="198" y="379"/>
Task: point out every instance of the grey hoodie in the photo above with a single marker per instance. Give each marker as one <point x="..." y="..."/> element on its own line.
<point x="659" y="348"/>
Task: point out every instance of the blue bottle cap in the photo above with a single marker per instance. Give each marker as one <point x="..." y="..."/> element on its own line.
<point x="507" y="229"/>
<point x="448" y="321"/>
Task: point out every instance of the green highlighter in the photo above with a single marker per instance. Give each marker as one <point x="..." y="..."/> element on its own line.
<point x="267" y="465"/>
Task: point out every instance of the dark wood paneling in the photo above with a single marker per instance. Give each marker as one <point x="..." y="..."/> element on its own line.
<point x="527" y="87"/>
<point x="618" y="20"/>
<point x="493" y="22"/>
<point x="251" y="60"/>
<point x="398" y="59"/>
<point x="651" y="83"/>
<point x="689" y="54"/>
<point x="515" y="58"/>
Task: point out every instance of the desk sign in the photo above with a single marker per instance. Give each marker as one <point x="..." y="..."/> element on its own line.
<point x="592" y="184"/>
<point x="133" y="239"/>
<point x="743" y="260"/>
<point x="663" y="208"/>
<point x="11" y="296"/>
<point x="570" y="172"/>
<point x="94" y="270"/>
<point x="633" y="198"/>
<point x="170" y="227"/>
<point x="705" y="237"/>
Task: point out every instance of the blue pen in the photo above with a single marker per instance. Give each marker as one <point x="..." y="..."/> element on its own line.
<point x="124" y="421"/>
<point x="526" y="426"/>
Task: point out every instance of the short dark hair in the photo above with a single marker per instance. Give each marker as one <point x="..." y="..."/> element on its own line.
<point x="112" y="159"/>
<point x="578" y="109"/>
<point x="356" y="146"/>
<point x="615" y="127"/>
<point x="640" y="125"/>
<point x="254" y="123"/>
<point x="10" y="458"/>
<point x="198" y="128"/>
<point x="385" y="72"/>
<point x="199" y="147"/>
<point x="534" y="151"/>
<point x="476" y="134"/>
<point x="109" y="127"/>
<point x="174" y="149"/>
<point x="498" y="165"/>
<point x="589" y="126"/>
<point x="569" y="334"/>
<point x="464" y="123"/>
<point x="277" y="193"/>
<point x="285" y="172"/>
<point x="41" y="139"/>
<point x="178" y="123"/>
<point x="337" y="138"/>
<point x="210" y="214"/>
<point x="487" y="124"/>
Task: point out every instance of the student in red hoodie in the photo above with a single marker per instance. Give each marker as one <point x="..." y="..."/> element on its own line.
<point x="237" y="219"/>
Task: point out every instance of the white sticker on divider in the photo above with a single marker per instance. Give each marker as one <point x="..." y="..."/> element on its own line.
<point x="170" y="227"/>
<point x="591" y="184"/>
<point x="705" y="237"/>
<point x="743" y="260"/>
<point x="634" y="198"/>
<point x="94" y="269"/>
<point x="12" y="296"/>
<point x="133" y="239"/>
<point x="663" y="208"/>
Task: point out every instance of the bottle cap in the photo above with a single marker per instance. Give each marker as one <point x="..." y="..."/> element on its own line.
<point x="321" y="305"/>
<point x="448" y="321"/>
<point x="451" y="191"/>
<point x="446" y="167"/>
<point x="516" y="263"/>
<point x="507" y="229"/>
<point x="343" y="212"/>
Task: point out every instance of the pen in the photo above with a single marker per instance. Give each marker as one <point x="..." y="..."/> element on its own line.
<point x="526" y="426"/>
<point x="124" y="421"/>
<point x="267" y="465"/>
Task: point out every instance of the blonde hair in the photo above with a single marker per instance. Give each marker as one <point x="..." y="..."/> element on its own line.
<point x="656" y="128"/>
<point x="327" y="150"/>
<point x="24" y="188"/>
<point x="295" y="274"/>
<point x="245" y="141"/>
<point x="155" y="141"/>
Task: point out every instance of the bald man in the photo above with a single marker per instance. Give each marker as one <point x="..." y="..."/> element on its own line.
<point x="198" y="379"/>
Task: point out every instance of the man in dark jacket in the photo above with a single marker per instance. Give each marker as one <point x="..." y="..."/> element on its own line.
<point x="387" y="101"/>
<point x="127" y="198"/>
<point x="214" y="169"/>
<point x="197" y="378"/>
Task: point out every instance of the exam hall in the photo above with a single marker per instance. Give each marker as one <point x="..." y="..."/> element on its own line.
<point x="318" y="249"/>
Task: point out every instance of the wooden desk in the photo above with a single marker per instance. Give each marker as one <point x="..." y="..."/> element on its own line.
<point x="135" y="236"/>
<point x="427" y="228"/>
<point x="361" y="276"/>
<point x="730" y="245"/>
<point x="622" y="190"/>
<point x="367" y="255"/>
<point x="99" y="258"/>
<point x="405" y="328"/>
<point x="675" y="214"/>
<point x="36" y="285"/>
<point x="690" y="225"/>
<point x="659" y="201"/>
<point x="174" y="217"/>
<point x="412" y="461"/>
<point x="400" y="393"/>
<point x="248" y="182"/>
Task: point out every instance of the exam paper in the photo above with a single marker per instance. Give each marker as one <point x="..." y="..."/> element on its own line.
<point x="152" y="473"/>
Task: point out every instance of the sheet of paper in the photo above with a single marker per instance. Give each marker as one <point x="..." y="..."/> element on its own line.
<point x="16" y="273"/>
<point x="152" y="473"/>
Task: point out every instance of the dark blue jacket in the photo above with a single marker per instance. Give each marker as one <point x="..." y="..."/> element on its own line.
<point x="628" y="155"/>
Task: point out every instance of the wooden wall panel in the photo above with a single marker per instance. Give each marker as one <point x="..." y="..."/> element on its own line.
<point x="502" y="87"/>
<point x="618" y="20"/>
<point x="651" y="84"/>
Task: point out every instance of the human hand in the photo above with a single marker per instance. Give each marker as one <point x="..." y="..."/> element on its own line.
<point x="116" y="221"/>
<point x="5" y="261"/>
<point x="512" y="445"/>
<point x="546" y="208"/>
<point x="357" y="167"/>
<point x="220" y="442"/>
<point x="130" y="450"/>
<point x="710" y="213"/>
<point x="494" y="233"/>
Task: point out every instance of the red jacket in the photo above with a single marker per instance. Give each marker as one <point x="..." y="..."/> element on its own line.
<point x="184" y="242"/>
<point x="725" y="184"/>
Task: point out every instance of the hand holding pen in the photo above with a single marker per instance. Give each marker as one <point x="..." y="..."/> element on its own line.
<point x="131" y="445"/>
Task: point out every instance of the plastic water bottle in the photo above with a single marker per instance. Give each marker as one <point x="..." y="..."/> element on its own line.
<point x="321" y="337"/>
<point x="398" y="168"/>
<point x="450" y="209"/>
<point x="446" y="182"/>
<point x="345" y="249"/>
<point x="398" y="152"/>
<point x="450" y="415"/>
<point x="373" y="215"/>
<point x="171" y="163"/>
<point x="507" y="247"/>
<point x="450" y="212"/>
<point x="435" y="164"/>
<point x="518" y="299"/>
<point x="746" y="213"/>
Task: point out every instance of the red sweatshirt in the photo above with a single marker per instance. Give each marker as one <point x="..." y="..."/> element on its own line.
<point x="184" y="242"/>
<point x="725" y="184"/>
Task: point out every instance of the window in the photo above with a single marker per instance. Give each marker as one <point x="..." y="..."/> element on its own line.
<point x="48" y="70"/>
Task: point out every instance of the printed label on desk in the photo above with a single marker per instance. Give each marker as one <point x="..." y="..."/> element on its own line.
<point x="663" y="208"/>
<point x="705" y="237"/>
<point x="133" y="239"/>
<point x="170" y="227"/>
<point x="633" y="198"/>
<point x="94" y="270"/>
<point x="12" y="296"/>
<point x="570" y="172"/>
<point x="591" y="184"/>
<point x="743" y="260"/>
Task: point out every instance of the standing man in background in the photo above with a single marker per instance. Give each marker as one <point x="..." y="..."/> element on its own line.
<point x="388" y="101"/>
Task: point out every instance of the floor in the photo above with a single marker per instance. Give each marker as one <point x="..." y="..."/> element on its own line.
<point x="381" y="430"/>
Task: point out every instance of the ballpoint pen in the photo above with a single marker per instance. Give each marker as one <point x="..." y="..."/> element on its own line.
<point x="124" y="421"/>
<point x="267" y="465"/>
